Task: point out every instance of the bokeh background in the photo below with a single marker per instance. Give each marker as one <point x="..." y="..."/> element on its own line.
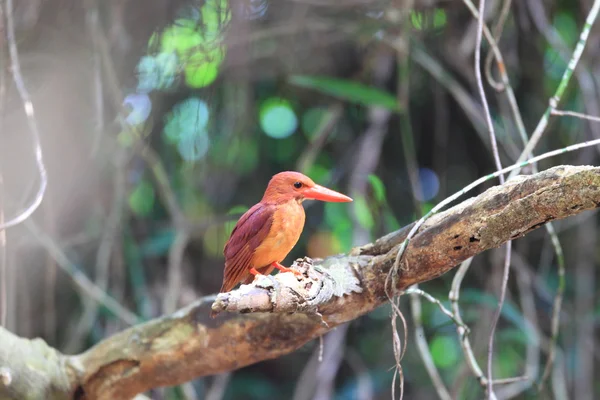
<point x="161" y="122"/>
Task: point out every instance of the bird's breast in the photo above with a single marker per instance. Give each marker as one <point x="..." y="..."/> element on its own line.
<point x="287" y="226"/>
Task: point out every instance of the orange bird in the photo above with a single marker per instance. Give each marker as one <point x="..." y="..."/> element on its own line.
<point x="267" y="232"/>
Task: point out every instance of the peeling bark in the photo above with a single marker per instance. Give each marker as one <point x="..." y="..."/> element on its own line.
<point x="188" y="344"/>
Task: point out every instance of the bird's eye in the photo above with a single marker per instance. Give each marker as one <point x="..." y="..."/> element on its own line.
<point x="298" y="185"/>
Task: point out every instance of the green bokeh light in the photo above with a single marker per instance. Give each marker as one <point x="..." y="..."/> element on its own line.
<point x="186" y="126"/>
<point x="193" y="148"/>
<point x="141" y="199"/>
<point x="444" y="350"/>
<point x="197" y="41"/>
<point x="277" y="118"/>
<point x="187" y="119"/>
<point x="201" y="70"/>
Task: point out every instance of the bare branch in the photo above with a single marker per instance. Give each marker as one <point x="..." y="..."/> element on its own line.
<point x="188" y="344"/>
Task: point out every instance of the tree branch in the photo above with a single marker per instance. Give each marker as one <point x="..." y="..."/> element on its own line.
<point x="188" y="344"/>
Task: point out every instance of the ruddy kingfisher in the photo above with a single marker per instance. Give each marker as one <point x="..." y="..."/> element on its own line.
<point x="267" y="232"/>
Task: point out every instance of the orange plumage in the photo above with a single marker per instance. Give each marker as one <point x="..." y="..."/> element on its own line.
<point x="267" y="232"/>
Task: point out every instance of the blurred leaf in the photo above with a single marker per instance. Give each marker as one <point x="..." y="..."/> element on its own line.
<point x="322" y="244"/>
<point x="201" y="71"/>
<point x="252" y="387"/>
<point x="158" y="244"/>
<point x="378" y="188"/>
<point x="216" y="236"/>
<point x="509" y="311"/>
<point x="214" y="240"/>
<point x="444" y="351"/>
<point x="363" y="212"/>
<point x="391" y="222"/>
<point x="319" y="173"/>
<point x="566" y="27"/>
<point x="285" y="149"/>
<point x="237" y="153"/>
<point x="216" y="14"/>
<point x="509" y="361"/>
<point x="141" y="199"/>
<point x="430" y="19"/>
<point x="439" y="18"/>
<point x="313" y="119"/>
<point x="416" y="19"/>
<point x="338" y="220"/>
<point x="426" y="207"/>
<point x="347" y="90"/>
<point x="237" y="210"/>
<point x="136" y="272"/>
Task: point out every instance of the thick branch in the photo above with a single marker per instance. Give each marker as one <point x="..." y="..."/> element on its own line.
<point x="189" y="344"/>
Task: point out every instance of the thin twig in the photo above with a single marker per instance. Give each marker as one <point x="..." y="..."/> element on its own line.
<point x="364" y="383"/>
<point x="403" y="50"/>
<point x="566" y="77"/>
<point x="557" y="306"/>
<point x="3" y="261"/>
<point x="397" y="346"/>
<point x="530" y="322"/>
<point x="324" y="129"/>
<point x="498" y="164"/>
<point x="512" y="101"/>
<point x="80" y="279"/>
<point x="461" y="328"/>
<point x="31" y="122"/>
<point x="176" y="253"/>
<point x="103" y="255"/>
<point x="496" y="33"/>
<point x="413" y="291"/>
<point x="484" y="102"/>
<point x="218" y="387"/>
<point x="478" y="182"/>
<point x="575" y="114"/>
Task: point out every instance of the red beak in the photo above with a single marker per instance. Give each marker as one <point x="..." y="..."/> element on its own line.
<point x="319" y="192"/>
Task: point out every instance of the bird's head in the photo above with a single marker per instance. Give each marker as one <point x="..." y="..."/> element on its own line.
<point x="293" y="185"/>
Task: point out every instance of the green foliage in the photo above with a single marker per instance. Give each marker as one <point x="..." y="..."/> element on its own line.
<point x="158" y="244"/>
<point x="445" y="351"/>
<point x="426" y="20"/>
<point x="378" y="188"/>
<point x="141" y="199"/>
<point x="337" y="217"/>
<point x="351" y="91"/>
<point x="312" y="121"/>
<point x="319" y="173"/>
<point x="565" y="27"/>
<point x="196" y="41"/>
<point x="363" y="212"/>
<point x="216" y="235"/>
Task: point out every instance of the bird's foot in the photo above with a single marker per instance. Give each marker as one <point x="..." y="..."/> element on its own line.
<point x="285" y="269"/>
<point x="256" y="274"/>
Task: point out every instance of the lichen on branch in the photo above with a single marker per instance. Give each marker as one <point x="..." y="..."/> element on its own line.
<point x="287" y="292"/>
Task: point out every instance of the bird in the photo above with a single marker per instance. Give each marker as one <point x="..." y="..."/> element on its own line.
<point x="267" y="232"/>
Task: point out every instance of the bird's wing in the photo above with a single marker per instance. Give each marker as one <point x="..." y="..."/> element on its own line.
<point x="249" y="232"/>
